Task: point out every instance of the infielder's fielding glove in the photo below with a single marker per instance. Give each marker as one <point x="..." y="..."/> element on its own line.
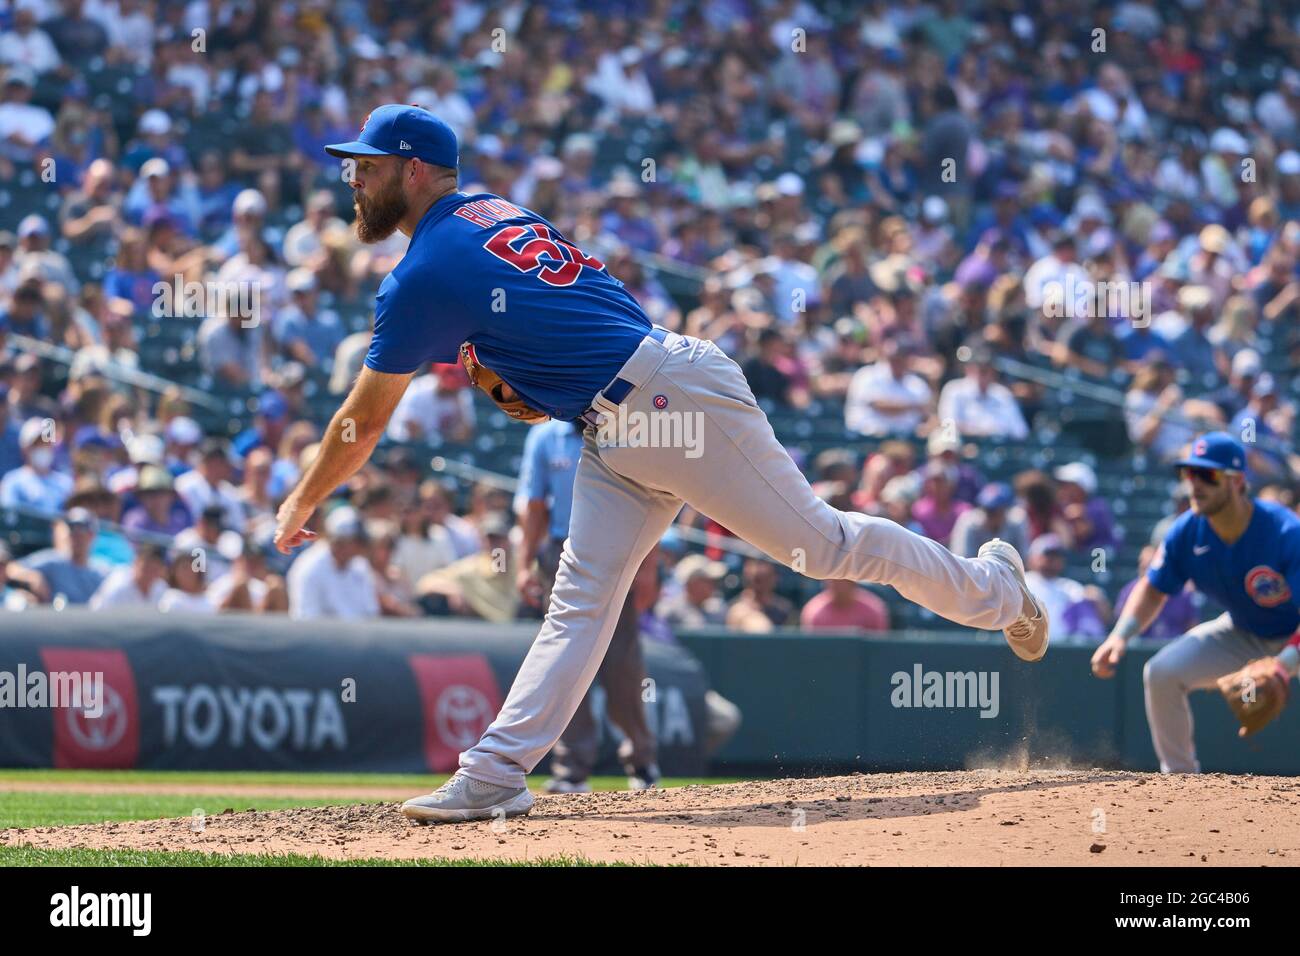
<point x="506" y="398"/>
<point x="1256" y="694"/>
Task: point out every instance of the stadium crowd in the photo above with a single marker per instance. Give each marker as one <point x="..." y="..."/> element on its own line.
<point x="911" y="215"/>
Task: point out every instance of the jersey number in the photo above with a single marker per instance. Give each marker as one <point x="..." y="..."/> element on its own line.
<point x="530" y="247"/>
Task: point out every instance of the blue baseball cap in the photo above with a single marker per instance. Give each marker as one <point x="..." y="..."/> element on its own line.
<point x="398" y="130"/>
<point x="996" y="495"/>
<point x="1215" y="450"/>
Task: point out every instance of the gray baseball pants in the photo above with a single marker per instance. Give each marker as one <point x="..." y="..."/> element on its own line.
<point x="1194" y="661"/>
<point x="691" y="431"/>
<point x="621" y="673"/>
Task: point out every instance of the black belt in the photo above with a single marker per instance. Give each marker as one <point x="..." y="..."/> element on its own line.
<point x="617" y="390"/>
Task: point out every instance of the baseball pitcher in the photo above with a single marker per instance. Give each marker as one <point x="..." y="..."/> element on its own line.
<point x="548" y="332"/>
<point x="1244" y="553"/>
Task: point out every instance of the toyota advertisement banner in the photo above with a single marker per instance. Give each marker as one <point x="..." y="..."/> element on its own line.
<point x="247" y="692"/>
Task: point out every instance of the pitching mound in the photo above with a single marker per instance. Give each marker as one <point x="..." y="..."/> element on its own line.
<point x="938" y="819"/>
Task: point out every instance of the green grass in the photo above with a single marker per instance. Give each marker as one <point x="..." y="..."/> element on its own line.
<point x="48" y="808"/>
<point x="420" y="781"/>
<point x="55" y="809"/>
<point x="26" y="856"/>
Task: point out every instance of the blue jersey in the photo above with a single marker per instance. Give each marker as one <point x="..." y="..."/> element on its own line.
<point x="1256" y="579"/>
<point x="549" y="469"/>
<point x="542" y="314"/>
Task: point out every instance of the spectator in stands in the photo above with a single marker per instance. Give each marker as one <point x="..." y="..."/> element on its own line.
<point x="1087" y="515"/>
<point x="1157" y="415"/>
<point x="37" y="261"/>
<point x="36" y="485"/>
<point x="1192" y="348"/>
<point x="332" y="578"/>
<point x="208" y="483"/>
<point x="1089" y="345"/>
<point x="937" y="509"/>
<point x="758" y="608"/>
<point x="25" y="313"/>
<point x="1234" y="395"/>
<point x="138" y="586"/>
<point x="304" y="331"/>
<point x="394" y="594"/>
<point x="304" y="243"/>
<point x="1037" y="494"/>
<point x="27" y="44"/>
<point x="156" y="195"/>
<point x="1266" y="425"/>
<point x="157" y="509"/>
<point x="844" y="604"/>
<point x="132" y="280"/>
<point x="994" y="516"/>
<point x="1076" y="610"/>
<point x="978" y="404"/>
<point x="248" y="586"/>
<point x="696" y="603"/>
<point x="898" y="497"/>
<point x="25" y="399"/>
<point x="186" y="591"/>
<point x="769" y="373"/>
<point x="945" y="446"/>
<point x="64" y="570"/>
<point x="24" y="126"/>
<point x="209" y="541"/>
<point x="230" y="346"/>
<point x="424" y="545"/>
<point x="480" y="585"/>
<point x="885" y="398"/>
<point x="255" y="494"/>
<point x="12" y="598"/>
<point x="437" y="406"/>
<point x="92" y="213"/>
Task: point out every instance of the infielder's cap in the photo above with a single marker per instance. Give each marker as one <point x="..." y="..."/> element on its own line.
<point x="398" y="130"/>
<point x="1215" y="450"/>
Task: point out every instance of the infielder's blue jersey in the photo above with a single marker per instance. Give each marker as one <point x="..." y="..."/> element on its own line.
<point x="541" y="313"/>
<point x="1257" y="579"/>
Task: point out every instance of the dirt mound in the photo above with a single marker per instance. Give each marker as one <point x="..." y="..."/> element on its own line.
<point x="994" y="817"/>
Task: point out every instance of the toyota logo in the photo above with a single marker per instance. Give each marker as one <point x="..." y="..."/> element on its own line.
<point x="461" y="715"/>
<point x="102" y="732"/>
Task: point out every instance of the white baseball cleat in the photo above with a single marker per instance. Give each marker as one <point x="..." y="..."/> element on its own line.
<point x="556" y="785"/>
<point x="464" y="798"/>
<point x="1026" y="635"/>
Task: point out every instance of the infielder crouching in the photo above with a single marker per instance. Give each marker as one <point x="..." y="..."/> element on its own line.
<point x="1244" y="553"/>
<point x="548" y="332"/>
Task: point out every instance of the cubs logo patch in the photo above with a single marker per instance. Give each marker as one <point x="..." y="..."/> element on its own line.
<point x="661" y="401"/>
<point x="1201" y="447"/>
<point x="1267" y="587"/>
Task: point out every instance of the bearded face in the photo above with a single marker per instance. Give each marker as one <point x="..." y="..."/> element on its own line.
<point x="379" y="214"/>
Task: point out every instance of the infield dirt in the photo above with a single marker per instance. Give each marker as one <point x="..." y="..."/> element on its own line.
<point x="984" y="817"/>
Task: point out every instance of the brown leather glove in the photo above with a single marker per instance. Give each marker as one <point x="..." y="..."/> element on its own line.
<point x="1256" y="694"/>
<point x="506" y="398"/>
